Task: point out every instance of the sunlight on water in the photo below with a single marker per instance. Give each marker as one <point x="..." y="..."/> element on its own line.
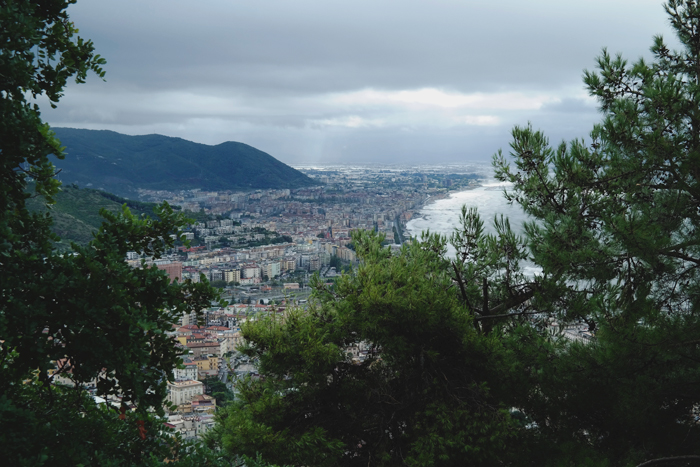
<point x="442" y="216"/>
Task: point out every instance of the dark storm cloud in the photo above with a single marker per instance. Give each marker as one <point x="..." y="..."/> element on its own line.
<point x="314" y="79"/>
<point x="317" y="46"/>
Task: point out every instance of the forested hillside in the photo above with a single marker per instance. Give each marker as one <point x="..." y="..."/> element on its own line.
<point x="76" y="214"/>
<point x="121" y="164"/>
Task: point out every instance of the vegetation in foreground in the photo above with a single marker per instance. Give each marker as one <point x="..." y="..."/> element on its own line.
<point x="464" y="362"/>
<point x="467" y="359"/>
<point x="104" y="321"/>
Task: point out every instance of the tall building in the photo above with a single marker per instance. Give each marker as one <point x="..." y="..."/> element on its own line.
<point x="232" y="275"/>
<point x="271" y="269"/>
<point x="314" y="263"/>
<point x="174" y="270"/>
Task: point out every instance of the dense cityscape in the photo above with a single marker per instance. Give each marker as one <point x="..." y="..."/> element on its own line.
<point x="262" y="246"/>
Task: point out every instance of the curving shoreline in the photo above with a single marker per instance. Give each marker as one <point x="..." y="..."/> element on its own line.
<point x="441" y="214"/>
<point x="419" y="213"/>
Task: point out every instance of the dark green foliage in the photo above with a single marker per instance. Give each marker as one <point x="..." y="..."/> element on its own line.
<point x="421" y="396"/>
<point x="94" y="289"/>
<point x="199" y="216"/>
<point x="70" y="429"/>
<point x="335" y="262"/>
<point x="76" y="213"/>
<point x="102" y="319"/>
<point x="616" y="235"/>
<point x="217" y="389"/>
<point x="121" y="163"/>
<point x="469" y="363"/>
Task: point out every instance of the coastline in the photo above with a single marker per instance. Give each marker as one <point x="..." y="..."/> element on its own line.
<point x="433" y="199"/>
<point x="442" y="217"/>
<point x="418" y="212"/>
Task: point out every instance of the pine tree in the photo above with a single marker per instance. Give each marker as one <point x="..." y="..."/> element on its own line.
<point x="467" y="363"/>
<point x="421" y="396"/>
<point x="615" y="230"/>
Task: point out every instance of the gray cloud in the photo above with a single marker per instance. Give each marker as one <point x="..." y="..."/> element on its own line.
<point x="315" y="79"/>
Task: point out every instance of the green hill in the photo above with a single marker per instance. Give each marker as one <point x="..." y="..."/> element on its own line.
<point x="76" y="212"/>
<point x="121" y="164"/>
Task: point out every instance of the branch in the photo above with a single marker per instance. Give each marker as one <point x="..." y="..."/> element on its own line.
<point x="663" y="460"/>
<point x="458" y="277"/>
<point x="681" y="256"/>
<point x="543" y="183"/>
<point x="496" y="312"/>
<point x="506" y="315"/>
<point x="485" y="287"/>
<point x="34" y="175"/>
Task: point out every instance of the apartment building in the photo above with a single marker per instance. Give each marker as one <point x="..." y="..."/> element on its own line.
<point x="182" y="392"/>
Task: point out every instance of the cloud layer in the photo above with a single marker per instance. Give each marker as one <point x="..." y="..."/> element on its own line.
<point x="365" y="81"/>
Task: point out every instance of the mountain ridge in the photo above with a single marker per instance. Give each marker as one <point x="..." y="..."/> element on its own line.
<point x="122" y="164"/>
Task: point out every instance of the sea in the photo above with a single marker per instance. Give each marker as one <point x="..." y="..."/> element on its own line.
<point x="442" y="215"/>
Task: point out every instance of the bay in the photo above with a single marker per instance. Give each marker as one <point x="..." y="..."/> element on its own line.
<point x="442" y="216"/>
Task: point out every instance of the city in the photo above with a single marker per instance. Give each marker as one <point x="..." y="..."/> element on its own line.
<point x="262" y="246"/>
<point x="173" y="292"/>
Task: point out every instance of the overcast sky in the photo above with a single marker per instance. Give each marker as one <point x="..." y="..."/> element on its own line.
<point x="324" y="81"/>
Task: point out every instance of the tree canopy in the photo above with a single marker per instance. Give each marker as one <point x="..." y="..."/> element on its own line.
<point x="468" y="360"/>
<point x="84" y="315"/>
<point x="415" y="396"/>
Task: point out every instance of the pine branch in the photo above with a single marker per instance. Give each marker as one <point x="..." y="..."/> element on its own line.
<point x="663" y="460"/>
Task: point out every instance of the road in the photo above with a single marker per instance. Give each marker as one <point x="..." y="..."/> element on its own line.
<point x="399" y="229"/>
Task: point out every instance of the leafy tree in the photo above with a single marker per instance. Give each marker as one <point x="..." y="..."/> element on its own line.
<point x="335" y="262"/>
<point x="218" y="390"/>
<point x="198" y="216"/>
<point x="69" y="429"/>
<point x="88" y="310"/>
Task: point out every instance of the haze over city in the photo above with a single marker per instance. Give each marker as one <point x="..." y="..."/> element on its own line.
<point x="329" y="82"/>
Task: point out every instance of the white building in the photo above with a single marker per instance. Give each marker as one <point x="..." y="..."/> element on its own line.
<point x="189" y="372"/>
<point x="182" y="392"/>
<point x="192" y="426"/>
<point x="250" y="271"/>
<point x="271" y="269"/>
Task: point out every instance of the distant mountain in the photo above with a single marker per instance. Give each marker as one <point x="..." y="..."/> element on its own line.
<point x="121" y="163"/>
